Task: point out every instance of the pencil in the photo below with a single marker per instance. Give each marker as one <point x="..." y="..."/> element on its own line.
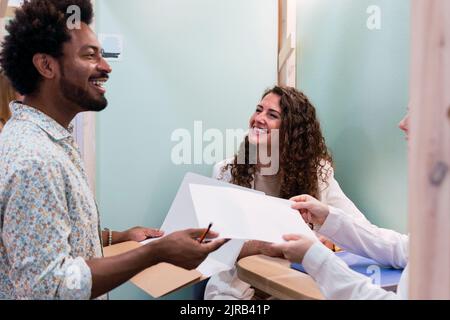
<point x="205" y="233"/>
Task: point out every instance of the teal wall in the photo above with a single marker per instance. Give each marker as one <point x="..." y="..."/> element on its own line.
<point x="358" y="80"/>
<point x="183" y="61"/>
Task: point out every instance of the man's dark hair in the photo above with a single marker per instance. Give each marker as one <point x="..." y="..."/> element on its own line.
<point x="39" y="26"/>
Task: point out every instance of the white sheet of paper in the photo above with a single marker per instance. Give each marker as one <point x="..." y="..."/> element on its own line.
<point x="238" y="214"/>
<point x="182" y="216"/>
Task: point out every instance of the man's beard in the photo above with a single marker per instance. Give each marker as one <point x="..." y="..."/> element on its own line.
<point x="80" y="96"/>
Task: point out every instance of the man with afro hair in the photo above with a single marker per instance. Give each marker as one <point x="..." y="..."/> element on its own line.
<point x="50" y="238"/>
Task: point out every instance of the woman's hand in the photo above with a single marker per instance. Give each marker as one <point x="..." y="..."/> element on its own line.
<point x="255" y="247"/>
<point x="311" y="209"/>
<point x="327" y="243"/>
<point x="269" y="249"/>
<point x="139" y="234"/>
<point x="295" y="248"/>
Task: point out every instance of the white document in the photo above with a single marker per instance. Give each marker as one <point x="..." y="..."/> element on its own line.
<point x="182" y="216"/>
<point x="239" y="214"/>
<point x="221" y="259"/>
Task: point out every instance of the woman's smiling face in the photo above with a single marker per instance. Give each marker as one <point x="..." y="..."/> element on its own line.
<point x="267" y="117"/>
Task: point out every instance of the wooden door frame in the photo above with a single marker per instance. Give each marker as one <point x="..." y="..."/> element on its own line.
<point x="429" y="158"/>
<point x="287" y="53"/>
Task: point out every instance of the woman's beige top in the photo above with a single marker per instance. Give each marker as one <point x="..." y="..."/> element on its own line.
<point x="270" y="185"/>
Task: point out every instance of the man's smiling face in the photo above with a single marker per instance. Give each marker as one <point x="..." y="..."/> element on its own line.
<point x="84" y="71"/>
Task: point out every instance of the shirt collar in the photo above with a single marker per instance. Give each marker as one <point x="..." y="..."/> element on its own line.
<point x="46" y="123"/>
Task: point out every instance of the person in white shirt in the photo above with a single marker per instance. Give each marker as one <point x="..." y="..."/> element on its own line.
<point x="334" y="278"/>
<point x="305" y="166"/>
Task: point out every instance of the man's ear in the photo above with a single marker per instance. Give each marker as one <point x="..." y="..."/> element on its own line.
<point x="46" y="65"/>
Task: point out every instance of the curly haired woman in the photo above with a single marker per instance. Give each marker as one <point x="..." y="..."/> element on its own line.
<point x="304" y="167"/>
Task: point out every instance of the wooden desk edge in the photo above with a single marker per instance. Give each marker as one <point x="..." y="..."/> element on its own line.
<point x="251" y="270"/>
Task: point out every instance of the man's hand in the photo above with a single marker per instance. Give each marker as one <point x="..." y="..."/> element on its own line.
<point x="311" y="209"/>
<point x="183" y="249"/>
<point x="180" y="248"/>
<point x="295" y="248"/>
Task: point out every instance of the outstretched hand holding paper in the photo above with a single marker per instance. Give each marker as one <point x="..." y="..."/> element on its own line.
<point x="239" y="214"/>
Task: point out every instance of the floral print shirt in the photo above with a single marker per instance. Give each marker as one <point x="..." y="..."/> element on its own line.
<point x="49" y="223"/>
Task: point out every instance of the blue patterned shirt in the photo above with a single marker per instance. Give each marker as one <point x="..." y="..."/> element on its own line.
<point x="49" y="222"/>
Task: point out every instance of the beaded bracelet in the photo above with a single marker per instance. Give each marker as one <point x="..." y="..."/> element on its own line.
<point x="109" y="236"/>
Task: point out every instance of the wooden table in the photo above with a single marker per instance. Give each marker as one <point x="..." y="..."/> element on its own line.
<point x="275" y="277"/>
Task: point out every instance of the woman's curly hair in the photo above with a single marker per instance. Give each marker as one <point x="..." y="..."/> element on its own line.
<point x="304" y="157"/>
<point x="39" y="26"/>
